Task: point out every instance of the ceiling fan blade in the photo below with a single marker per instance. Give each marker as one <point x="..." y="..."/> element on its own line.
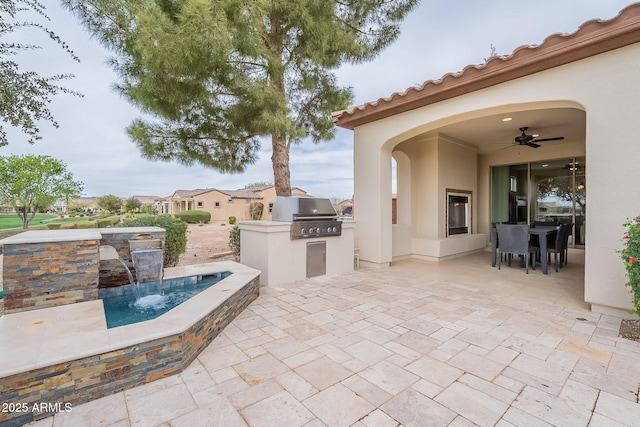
<point x="557" y="138"/>
<point x="532" y="145"/>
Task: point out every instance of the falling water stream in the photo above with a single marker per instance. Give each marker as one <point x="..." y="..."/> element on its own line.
<point x="133" y="282"/>
<point x="148" y="265"/>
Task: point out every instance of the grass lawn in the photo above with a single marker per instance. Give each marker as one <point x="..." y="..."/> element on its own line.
<point x="13" y="221"/>
<point x="40" y="220"/>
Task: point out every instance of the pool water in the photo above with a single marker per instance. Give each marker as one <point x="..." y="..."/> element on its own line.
<point x="126" y="309"/>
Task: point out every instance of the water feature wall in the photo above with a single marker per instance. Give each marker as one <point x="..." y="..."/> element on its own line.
<point x="56" y="348"/>
<point x="48" y="268"/>
<point x="125" y="240"/>
<point x="147" y="259"/>
<point x="117" y="359"/>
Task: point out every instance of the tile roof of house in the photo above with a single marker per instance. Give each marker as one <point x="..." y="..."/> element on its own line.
<point x="243" y="193"/>
<point x="147" y="200"/>
<point x="592" y="38"/>
<point x="191" y="193"/>
<point x="257" y="187"/>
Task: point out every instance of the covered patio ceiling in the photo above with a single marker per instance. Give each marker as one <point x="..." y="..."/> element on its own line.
<point x="491" y="133"/>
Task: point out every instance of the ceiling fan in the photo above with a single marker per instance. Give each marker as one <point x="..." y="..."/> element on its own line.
<point x="531" y="140"/>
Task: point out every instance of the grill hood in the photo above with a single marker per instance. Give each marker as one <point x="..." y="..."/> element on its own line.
<point x="302" y="208"/>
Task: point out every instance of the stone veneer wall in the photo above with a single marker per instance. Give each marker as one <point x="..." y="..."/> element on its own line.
<point x="41" y="275"/>
<point x="112" y="273"/>
<point x="90" y="378"/>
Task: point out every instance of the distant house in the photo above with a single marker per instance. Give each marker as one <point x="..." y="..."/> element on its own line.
<point x="147" y="200"/>
<point x="344" y="207"/>
<point x="223" y="203"/>
<point x="154" y="201"/>
<point x="85" y="204"/>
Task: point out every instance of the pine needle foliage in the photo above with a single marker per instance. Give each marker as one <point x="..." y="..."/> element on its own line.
<point x="214" y="76"/>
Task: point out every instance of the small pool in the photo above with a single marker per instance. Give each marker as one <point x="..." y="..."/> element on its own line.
<point x="122" y="306"/>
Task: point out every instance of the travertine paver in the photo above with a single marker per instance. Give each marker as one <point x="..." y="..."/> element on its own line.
<point x="155" y="408"/>
<point x="456" y="344"/>
<point x="554" y="410"/>
<point x="618" y="409"/>
<point x="413" y="409"/>
<point x="389" y="377"/>
<point x="281" y="409"/>
<point x="216" y="412"/>
<point x="338" y="406"/>
<point x="323" y="372"/>
<point x="472" y="404"/>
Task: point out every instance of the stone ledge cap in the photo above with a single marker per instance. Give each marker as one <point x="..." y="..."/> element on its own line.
<point x="50" y="236"/>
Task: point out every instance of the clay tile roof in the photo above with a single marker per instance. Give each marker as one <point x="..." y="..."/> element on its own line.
<point x="191" y="193"/>
<point x="147" y="200"/>
<point x="256" y="188"/>
<point x="242" y="194"/>
<point x="592" y="38"/>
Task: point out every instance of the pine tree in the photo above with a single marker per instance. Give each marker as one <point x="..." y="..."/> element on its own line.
<point x="213" y="76"/>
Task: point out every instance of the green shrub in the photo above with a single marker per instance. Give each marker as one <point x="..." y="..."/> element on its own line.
<point x="87" y="224"/>
<point x="148" y="209"/>
<point x="109" y="221"/>
<point x="175" y="239"/>
<point x="69" y="226"/>
<point x="194" y="217"/>
<point x="234" y="240"/>
<point x="232" y="220"/>
<point x="631" y="257"/>
<point x="54" y="226"/>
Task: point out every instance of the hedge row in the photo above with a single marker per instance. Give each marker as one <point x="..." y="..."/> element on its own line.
<point x="109" y="221"/>
<point x="99" y="223"/>
<point x="194" y="217"/>
<point x="175" y="238"/>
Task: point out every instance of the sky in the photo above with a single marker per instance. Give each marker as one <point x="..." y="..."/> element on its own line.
<point x="438" y="37"/>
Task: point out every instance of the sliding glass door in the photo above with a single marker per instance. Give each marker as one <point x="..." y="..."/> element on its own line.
<point x="560" y="194"/>
<point x="552" y="191"/>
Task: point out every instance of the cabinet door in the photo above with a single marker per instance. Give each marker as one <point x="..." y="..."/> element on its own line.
<point x="316" y="258"/>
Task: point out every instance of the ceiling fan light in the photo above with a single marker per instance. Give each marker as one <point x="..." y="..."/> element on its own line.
<point x="507" y="119"/>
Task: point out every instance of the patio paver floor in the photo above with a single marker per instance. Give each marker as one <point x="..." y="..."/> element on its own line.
<point x="453" y="343"/>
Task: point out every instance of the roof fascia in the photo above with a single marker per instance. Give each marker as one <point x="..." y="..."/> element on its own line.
<point x="592" y="38"/>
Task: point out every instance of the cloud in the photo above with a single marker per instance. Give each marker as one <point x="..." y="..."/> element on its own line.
<point x="439" y="37"/>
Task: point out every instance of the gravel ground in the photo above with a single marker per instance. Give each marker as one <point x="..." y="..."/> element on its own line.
<point x="206" y="242"/>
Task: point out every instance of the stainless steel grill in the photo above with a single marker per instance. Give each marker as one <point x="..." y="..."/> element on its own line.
<point x="309" y="216"/>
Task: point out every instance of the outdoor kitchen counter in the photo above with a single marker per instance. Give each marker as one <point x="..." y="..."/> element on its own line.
<point x="267" y="246"/>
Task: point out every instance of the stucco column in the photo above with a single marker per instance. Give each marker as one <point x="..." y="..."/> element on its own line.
<point x="372" y="200"/>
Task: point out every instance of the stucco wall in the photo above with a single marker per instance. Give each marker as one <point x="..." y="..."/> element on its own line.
<point x="268" y="247"/>
<point x="606" y="87"/>
<point x="427" y="166"/>
<point x="228" y="205"/>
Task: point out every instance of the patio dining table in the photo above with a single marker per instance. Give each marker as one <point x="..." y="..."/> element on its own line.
<point x="542" y="231"/>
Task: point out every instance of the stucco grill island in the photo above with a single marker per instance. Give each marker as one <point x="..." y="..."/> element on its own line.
<point x="306" y="238"/>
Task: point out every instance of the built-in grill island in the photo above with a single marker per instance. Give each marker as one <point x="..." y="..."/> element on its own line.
<point x="309" y="216"/>
<point x="305" y="238"/>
